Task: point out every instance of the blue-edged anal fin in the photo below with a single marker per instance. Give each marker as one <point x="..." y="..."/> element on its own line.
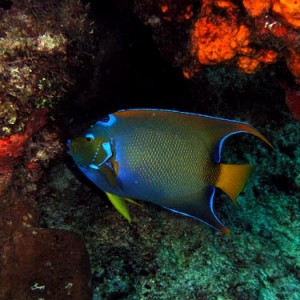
<point x="199" y="209"/>
<point x="120" y="204"/>
<point x="215" y="131"/>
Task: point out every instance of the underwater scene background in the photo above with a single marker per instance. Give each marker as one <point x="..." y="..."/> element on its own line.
<point x="64" y="65"/>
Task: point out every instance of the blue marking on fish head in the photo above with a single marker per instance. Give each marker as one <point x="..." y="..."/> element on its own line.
<point x="107" y="121"/>
<point x="96" y="163"/>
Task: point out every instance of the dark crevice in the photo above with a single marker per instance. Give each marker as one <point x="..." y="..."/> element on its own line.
<point x="6" y="4"/>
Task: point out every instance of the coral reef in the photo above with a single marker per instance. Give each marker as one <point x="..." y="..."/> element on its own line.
<point x="288" y="10"/>
<point x="247" y="35"/>
<point x="159" y="253"/>
<point x="57" y="240"/>
<point x="164" y="256"/>
<point x="11" y="148"/>
<point x="41" y="44"/>
<point x="222" y="38"/>
<point x="35" y="262"/>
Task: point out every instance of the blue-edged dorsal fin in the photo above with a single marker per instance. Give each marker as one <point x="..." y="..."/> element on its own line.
<point x="199" y="209"/>
<point x="216" y="130"/>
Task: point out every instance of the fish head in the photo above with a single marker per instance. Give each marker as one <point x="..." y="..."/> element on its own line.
<point x="90" y="150"/>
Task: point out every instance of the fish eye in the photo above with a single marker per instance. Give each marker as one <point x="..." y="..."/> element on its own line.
<point x="89" y="137"/>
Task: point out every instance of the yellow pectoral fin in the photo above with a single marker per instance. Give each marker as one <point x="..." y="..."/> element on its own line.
<point x="120" y="205"/>
<point x="133" y="202"/>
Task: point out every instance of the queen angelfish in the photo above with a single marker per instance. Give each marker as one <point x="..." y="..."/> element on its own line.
<point x="169" y="158"/>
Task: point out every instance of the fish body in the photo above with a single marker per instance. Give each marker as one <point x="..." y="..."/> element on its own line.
<point x="169" y="158"/>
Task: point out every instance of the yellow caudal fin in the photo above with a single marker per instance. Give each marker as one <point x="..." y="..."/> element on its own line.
<point x="120" y="205"/>
<point x="232" y="179"/>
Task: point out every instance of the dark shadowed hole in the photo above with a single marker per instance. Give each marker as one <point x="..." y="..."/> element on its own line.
<point x="6" y="4"/>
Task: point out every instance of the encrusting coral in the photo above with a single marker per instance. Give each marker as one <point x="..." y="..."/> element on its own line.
<point x="289" y="10"/>
<point x="247" y="35"/>
<point x="11" y="148"/>
<point x="40" y="44"/>
<point x="223" y="33"/>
